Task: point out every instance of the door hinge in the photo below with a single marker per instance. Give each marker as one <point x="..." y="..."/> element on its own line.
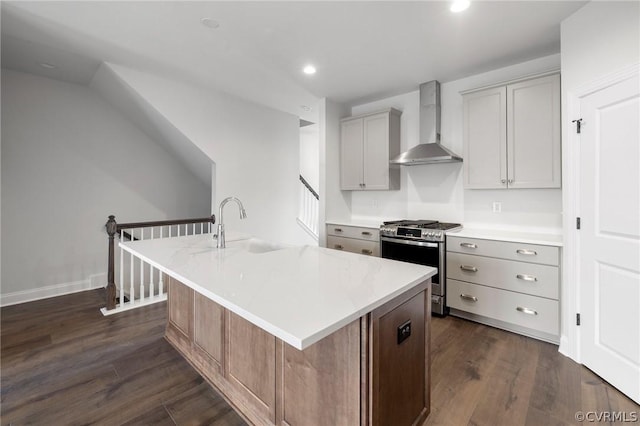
<point x="577" y="223"/>
<point x="577" y="319"/>
<point x="578" y="124"/>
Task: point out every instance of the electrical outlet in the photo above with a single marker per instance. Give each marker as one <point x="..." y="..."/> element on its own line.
<point x="404" y="331"/>
<point x="497" y="207"/>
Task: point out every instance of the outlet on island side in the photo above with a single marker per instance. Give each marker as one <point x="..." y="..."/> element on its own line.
<point x="404" y="331"/>
<point x="497" y="207"/>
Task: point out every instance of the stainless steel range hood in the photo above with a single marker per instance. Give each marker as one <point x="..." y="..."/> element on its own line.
<point x="429" y="151"/>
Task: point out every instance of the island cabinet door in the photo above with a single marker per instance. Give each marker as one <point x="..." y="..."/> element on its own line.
<point x="208" y="335"/>
<point x="320" y="386"/>
<point x="400" y="361"/>
<point x="250" y="368"/>
<point x="180" y="312"/>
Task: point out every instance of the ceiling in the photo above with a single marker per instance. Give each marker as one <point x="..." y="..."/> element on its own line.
<point x="362" y="50"/>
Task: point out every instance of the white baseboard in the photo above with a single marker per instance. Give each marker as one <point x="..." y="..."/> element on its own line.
<point x="91" y="283"/>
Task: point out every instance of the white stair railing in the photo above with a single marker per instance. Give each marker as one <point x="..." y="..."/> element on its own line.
<point x="139" y="283"/>
<point x="309" y="206"/>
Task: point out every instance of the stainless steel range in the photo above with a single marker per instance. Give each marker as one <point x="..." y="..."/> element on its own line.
<point x="422" y="242"/>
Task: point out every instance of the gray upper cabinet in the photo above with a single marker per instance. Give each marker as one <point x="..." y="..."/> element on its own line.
<point x="485" y="138"/>
<point x="512" y="135"/>
<point x="367" y="143"/>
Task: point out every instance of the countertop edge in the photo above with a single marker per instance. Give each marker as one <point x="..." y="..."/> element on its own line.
<point x="288" y="338"/>
<point x="554" y="240"/>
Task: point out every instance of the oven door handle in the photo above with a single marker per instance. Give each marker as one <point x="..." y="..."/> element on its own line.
<point x="408" y="242"/>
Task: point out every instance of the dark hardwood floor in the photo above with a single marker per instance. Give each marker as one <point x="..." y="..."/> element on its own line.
<point x="63" y="363"/>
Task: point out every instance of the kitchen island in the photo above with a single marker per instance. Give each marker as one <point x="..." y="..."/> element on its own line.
<point x="299" y="335"/>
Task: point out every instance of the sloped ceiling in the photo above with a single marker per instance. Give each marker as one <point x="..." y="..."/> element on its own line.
<point x="160" y="129"/>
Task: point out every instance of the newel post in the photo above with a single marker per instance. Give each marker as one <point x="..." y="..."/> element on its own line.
<point x="112" y="228"/>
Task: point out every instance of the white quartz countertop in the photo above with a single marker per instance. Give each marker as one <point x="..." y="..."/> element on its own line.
<point x="511" y="236"/>
<point x="299" y="294"/>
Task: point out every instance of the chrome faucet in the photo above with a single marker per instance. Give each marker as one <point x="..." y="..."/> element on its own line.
<point x="220" y="234"/>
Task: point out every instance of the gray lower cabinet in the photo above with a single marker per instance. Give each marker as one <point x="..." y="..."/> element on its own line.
<point x="510" y="285"/>
<point x="355" y="239"/>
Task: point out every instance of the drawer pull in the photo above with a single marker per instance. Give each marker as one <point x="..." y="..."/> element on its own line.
<point x="527" y="252"/>
<point x="366" y="233"/>
<point x="367" y="251"/>
<point x="338" y="247"/>
<point x="468" y="297"/>
<point x="525" y="277"/>
<point x="468" y="268"/>
<point x="337" y="229"/>
<point x="468" y="245"/>
<point x="526" y="310"/>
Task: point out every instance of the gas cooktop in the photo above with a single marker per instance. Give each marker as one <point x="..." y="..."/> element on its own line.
<point x="424" y="230"/>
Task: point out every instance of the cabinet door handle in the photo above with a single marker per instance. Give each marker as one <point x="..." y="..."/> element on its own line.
<point x="337" y="229"/>
<point x="525" y="277"/>
<point x="367" y="251"/>
<point x="503" y="180"/>
<point x="338" y="247"/>
<point x="526" y="311"/>
<point x="468" y="297"/>
<point x="510" y="181"/>
<point x="366" y="233"/>
<point x="468" y="268"/>
<point x="527" y="252"/>
<point x="468" y="245"/>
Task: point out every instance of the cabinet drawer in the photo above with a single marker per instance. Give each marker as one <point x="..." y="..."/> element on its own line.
<point x="371" y="248"/>
<point x="362" y="233"/>
<point x="533" y="253"/>
<point x="522" y="277"/>
<point x="533" y="312"/>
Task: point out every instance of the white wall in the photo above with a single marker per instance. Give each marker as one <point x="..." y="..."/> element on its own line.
<point x="309" y="155"/>
<point x="68" y="161"/>
<point x="255" y="150"/>
<point x="599" y="39"/>
<point x="335" y="205"/>
<point x="435" y="191"/>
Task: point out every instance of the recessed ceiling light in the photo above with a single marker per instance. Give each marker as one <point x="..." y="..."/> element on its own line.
<point x="460" y="5"/>
<point x="47" y="65"/>
<point x="210" y="23"/>
<point x="309" y="70"/>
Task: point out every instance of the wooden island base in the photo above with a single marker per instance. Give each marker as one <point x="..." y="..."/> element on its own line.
<point x="359" y="375"/>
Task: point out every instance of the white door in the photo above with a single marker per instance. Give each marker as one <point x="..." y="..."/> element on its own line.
<point x="609" y="239"/>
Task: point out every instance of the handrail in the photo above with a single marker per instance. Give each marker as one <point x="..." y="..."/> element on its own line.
<point x="121" y="226"/>
<point x="114" y="228"/>
<point x="305" y="183"/>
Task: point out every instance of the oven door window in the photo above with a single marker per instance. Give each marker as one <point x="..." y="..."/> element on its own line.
<point x="422" y="255"/>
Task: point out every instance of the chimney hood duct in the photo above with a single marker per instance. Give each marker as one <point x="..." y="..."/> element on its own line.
<point x="429" y="151"/>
